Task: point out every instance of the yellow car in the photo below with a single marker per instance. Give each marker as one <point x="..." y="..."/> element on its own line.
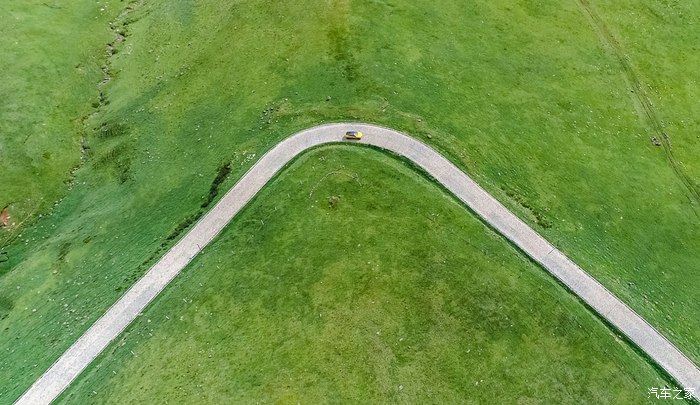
<point x="353" y="135"/>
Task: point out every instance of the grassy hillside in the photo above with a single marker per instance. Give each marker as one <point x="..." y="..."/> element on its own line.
<point x="302" y="300"/>
<point x="662" y="48"/>
<point x="524" y="97"/>
<point x="51" y="58"/>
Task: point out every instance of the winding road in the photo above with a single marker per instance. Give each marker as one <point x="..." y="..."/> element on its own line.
<point x="58" y="377"/>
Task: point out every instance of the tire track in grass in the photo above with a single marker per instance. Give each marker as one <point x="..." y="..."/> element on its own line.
<point x="643" y="104"/>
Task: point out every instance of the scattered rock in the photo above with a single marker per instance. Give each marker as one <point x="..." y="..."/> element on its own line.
<point x="430" y="136"/>
<point x="333" y="201"/>
<point x="328" y="98"/>
<point x="655" y="141"/>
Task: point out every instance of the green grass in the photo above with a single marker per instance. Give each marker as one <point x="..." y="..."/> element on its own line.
<point x="48" y="86"/>
<point x="665" y="53"/>
<point x="524" y="97"/>
<point x="301" y="299"/>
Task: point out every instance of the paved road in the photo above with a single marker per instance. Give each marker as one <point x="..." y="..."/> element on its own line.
<point x="133" y="302"/>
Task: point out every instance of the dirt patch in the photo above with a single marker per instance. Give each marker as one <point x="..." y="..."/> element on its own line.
<point x="5" y="217"/>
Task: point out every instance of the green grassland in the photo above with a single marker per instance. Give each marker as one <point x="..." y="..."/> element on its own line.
<point x="51" y="58"/>
<point x="302" y="299"/>
<point x="524" y="97"/>
<point x="661" y="42"/>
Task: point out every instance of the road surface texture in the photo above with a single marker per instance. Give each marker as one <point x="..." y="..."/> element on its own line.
<point x="132" y="303"/>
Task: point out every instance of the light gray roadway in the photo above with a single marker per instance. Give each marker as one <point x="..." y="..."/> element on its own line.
<point x="133" y="302"/>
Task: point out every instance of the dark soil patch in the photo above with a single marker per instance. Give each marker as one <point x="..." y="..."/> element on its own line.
<point x="6" y="306"/>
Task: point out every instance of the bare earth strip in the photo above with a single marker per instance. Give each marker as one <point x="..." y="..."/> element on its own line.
<point x="57" y="378"/>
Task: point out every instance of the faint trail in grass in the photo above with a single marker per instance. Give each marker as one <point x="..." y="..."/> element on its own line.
<point x="642" y="102"/>
<point x="335" y="172"/>
<point x="340" y="38"/>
